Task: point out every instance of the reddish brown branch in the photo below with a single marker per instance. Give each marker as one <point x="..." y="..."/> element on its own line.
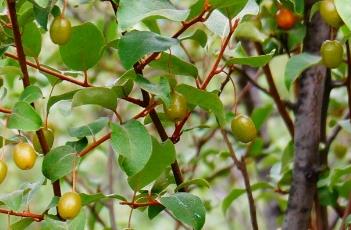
<point x="135" y="205"/>
<point x="35" y="217"/>
<point x="275" y="95"/>
<point x="95" y="144"/>
<point x="4" y="110"/>
<point x="22" y="62"/>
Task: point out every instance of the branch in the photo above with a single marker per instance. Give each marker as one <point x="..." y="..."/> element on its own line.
<point x="94" y="145"/>
<point x="274" y="92"/>
<point x="22" y="62"/>
<point x="348" y="80"/>
<point x="135" y="205"/>
<point x="35" y="217"/>
<point x="4" y="110"/>
<point x="242" y="167"/>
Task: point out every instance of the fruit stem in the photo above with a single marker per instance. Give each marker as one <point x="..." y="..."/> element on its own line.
<point x="74" y="176"/>
<point x="64" y="8"/>
<point x="131" y="211"/>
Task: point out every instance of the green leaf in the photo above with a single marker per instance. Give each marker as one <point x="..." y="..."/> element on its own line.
<point x="344" y="10"/>
<point x="89" y="129"/>
<point x="248" y="30"/>
<point x="136" y="44"/>
<point x="24" y="118"/>
<point x="199" y="35"/>
<point x="199" y="182"/>
<point x="204" y="99"/>
<point x="78" y="223"/>
<point x="84" y="48"/>
<point x="241" y="58"/>
<point x="163" y="155"/>
<point x="153" y="211"/>
<point x="133" y="143"/>
<point x="104" y="97"/>
<point x="22" y="224"/>
<point x="31" y="94"/>
<point x="229" y="8"/>
<point x="93" y="198"/>
<point x="51" y="224"/>
<point x="14" y="200"/>
<point x="261" y="114"/>
<point x="174" y="65"/>
<point x="62" y="97"/>
<point x="130" y="12"/>
<point x="187" y="208"/>
<point x="78" y="145"/>
<point x="236" y="193"/>
<point x="297" y="64"/>
<point x="58" y="162"/>
<point x="31" y="40"/>
<point x="315" y="9"/>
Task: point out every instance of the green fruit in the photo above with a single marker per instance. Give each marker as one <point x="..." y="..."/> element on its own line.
<point x="243" y="128"/>
<point x="60" y="30"/>
<point x="3" y="171"/>
<point x="340" y="150"/>
<point x="49" y="137"/>
<point x="69" y="205"/>
<point x="332" y="53"/>
<point x="178" y="108"/>
<point x="329" y="13"/>
<point x="24" y="156"/>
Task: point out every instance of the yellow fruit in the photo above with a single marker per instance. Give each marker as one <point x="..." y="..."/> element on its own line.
<point x="330" y="14"/>
<point x="60" y="30"/>
<point x="3" y="171"/>
<point x="69" y="205"/>
<point x="243" y="128"/>
<point x="24" y="156"/>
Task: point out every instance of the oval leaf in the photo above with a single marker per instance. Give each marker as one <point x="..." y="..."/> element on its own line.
<point x="297" y="64"/>
<point x="89" y="129"/>
<point x="136" y="44"/>
<point x="24" y="118"/>
<point x="31" y="40"/>
<point x="84" y="48"/>
<point x="344" y="9"/>
<point x="187" y="208"/>
<point x="31" y="94"/>
<point x="104" y="97"/>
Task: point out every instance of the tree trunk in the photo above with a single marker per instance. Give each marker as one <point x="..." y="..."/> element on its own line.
<point x="307" y="129"/>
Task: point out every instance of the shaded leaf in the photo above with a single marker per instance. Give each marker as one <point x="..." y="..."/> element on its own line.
<point x="104" y="97"/>
<point x="89" y="129"/>
<point x="24" y="118"/>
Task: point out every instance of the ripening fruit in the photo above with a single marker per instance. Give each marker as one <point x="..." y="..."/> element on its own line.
<point x="49" y="137"/>
<point x="340" y="150"/>
<point x="243" y="128"/>
<point x="24" y="156"/>
<point x="332" y="53"/>
<point x="60" y="30"/>
<point x="3" y="171"/>
<point x="69" y="205"/>
<point x="329" y="14"/>
<point x="285" y="19"/>
<point x="178" y="108"/>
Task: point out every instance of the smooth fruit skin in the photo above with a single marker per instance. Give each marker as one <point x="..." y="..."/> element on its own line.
<point x="49" y="137"/>
<point x="340" y="150"/>
<point x="243" y="128"/>
<point x="332" y="53"/>
<point x="329" y="13"/>
<point x="3" y="171"/>
<point x="69" y="205"/>
<point x="178" y="108"/>
<point x="60" y="30"/>
<point x="24" y="156"/>
<point x="285" y="19"/>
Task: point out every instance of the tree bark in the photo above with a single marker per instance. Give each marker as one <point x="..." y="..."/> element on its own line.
<point x="307" y="129"/>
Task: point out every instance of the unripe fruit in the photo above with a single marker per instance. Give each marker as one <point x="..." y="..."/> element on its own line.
<point x="69" y="205"/>
<point x="332" y="53"/>
<point x="3" y="171"/>
<point x="24" y="156"/>
<point x="178" y="108"/>
<point x="329" y="14"/>
<point x="285" y="19"/>
<point x="49" y="137"/>
<point x="243" y="128"/>
<point x="60" y="30"/>
<point x="340" y="150"/>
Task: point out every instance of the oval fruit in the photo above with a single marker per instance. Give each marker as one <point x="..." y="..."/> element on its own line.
<point x="285" y="19"/>
<point x="24" y="156"/>
<point x="49" y="136"/>
<point x="69" y="205"/>
<point x="178" y="108"/>
<point x="243" y="128"/>
<point x="3" y="171"/>
<point x="60" y="30"/>
<point x="330" y="14"/>
<point x="332" y="53"/>
<point x="340" y="150"/>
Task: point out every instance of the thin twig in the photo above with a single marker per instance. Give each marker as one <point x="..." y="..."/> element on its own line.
<point x="94" y="145"/>
<point x="35" y="217"/>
